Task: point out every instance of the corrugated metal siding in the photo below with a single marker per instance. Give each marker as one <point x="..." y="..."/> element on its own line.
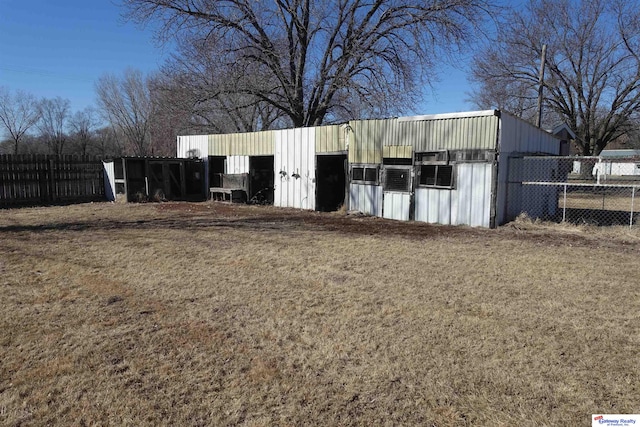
<point x="252" y="144"/>
<point x="370" y="137"/>
<point x="516" y="135"/>
<point x="536" y="201"/>
<point x="435" y="206"/>
<point x="397" y="151"/>
<point x="473" y="186"/>
<point x="330" y="139"/>
<point x="468" y="204"/>
<point x="295" y="154"/>
<point x="237" y="164"/>
<point x="366" y="199"/>
<point x="365" y="139"/>
<point x="109" y="180"/>
<point x="242" y="144"/>
<point x="218" y="145"/>
<point x="464" y="133"/>
<point x="193" y="146"/>
<point x="396" y="205"/>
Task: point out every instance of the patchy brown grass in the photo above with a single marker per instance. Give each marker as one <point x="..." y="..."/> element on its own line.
<point x="606" y="202"/>
<point x="212" y="314"/>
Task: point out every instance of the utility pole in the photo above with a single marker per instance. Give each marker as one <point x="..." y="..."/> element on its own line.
<point x="543" y="60"/>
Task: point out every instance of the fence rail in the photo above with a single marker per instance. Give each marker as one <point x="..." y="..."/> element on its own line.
<point x="38" y="179"/>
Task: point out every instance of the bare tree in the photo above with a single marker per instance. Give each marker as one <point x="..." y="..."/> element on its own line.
<point x="126" y="104"/>
<point x="314" y="55"/>
<point x="213" y="93"/>
<point x="18" y="113"/>
<point x="54" y="116"/>
<point x="109" y="142"/>
<point x="592" y="67"/>
<point x="82" y="126"/>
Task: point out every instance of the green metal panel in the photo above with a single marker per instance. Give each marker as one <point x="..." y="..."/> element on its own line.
<point x="365" y="140"/>
<point x="330" y="139"/>
<point x="458" y="131"/>
<point x="242" y="144"/>
<point x="450" y="133"/>
<point x="397" y="151"/>
<point x="218" y="145"/>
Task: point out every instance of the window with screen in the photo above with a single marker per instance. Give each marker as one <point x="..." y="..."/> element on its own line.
<point x="364" y="174"/>
<point x="397" y="179"/>
<point x="436" y="176"/>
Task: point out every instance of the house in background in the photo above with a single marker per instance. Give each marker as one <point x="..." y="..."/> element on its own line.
<point x="618" y="164"/>
<point x="444" y="168"/>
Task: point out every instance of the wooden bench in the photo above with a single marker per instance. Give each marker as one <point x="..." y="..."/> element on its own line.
<point x="227" y="194"/>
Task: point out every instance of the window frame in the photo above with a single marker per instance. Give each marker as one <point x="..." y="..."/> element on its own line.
<point x="364" y="167"/>
<point x="406" y="169"/>
<point x="437" y="168"/>
<point x="472" y="156"/>
<point x="440" y="160"/>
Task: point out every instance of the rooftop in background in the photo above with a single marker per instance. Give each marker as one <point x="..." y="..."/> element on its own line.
<point x="620" y="153"/>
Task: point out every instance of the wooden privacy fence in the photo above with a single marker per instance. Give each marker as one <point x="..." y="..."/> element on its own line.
<point x="40" y="179"/>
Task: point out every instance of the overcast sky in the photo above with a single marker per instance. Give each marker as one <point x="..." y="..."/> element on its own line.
<point x="61" y="47"/>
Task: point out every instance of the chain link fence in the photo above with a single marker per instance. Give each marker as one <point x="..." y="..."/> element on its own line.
<point x="580" y="190"/>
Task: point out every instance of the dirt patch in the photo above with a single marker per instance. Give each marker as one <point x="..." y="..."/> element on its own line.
<point x="612" y="238"/>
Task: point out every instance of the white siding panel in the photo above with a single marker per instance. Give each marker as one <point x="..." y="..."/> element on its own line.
<point x="109" y="180"/>
<point x="295" y="183"/>
<point x="366" y="199"/>
<point x="396" y="205"/>
<point x="468" y="204"/>
<point x="433" y="205"/>
<point x="481" y="197"/>
<point x="237" y="164"/>
<point x="464" y="186"/>
<point x="193" y="146"/>
<point x="473" y="194"/>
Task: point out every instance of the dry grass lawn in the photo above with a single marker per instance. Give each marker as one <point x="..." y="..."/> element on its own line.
<point x="211" y="314"/>
<point x="607" y="202"/>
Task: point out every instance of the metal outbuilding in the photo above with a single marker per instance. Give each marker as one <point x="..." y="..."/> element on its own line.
<point x="443" y="168"/>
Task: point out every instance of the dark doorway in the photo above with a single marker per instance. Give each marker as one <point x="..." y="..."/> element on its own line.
<point x="194" y="181"/>
<point x="216" y="169"/>
<point x="135" y="179"/>
<point x="165" y="180"/>
<point x="157" y="190"/>
<point x="330" y="182"/>
<point x="261" y="176"/>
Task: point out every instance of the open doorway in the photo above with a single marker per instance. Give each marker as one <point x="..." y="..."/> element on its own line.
<point x="216" y="169"/>
<point x="331" y="180"/>
<point x="261" y="179"/>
